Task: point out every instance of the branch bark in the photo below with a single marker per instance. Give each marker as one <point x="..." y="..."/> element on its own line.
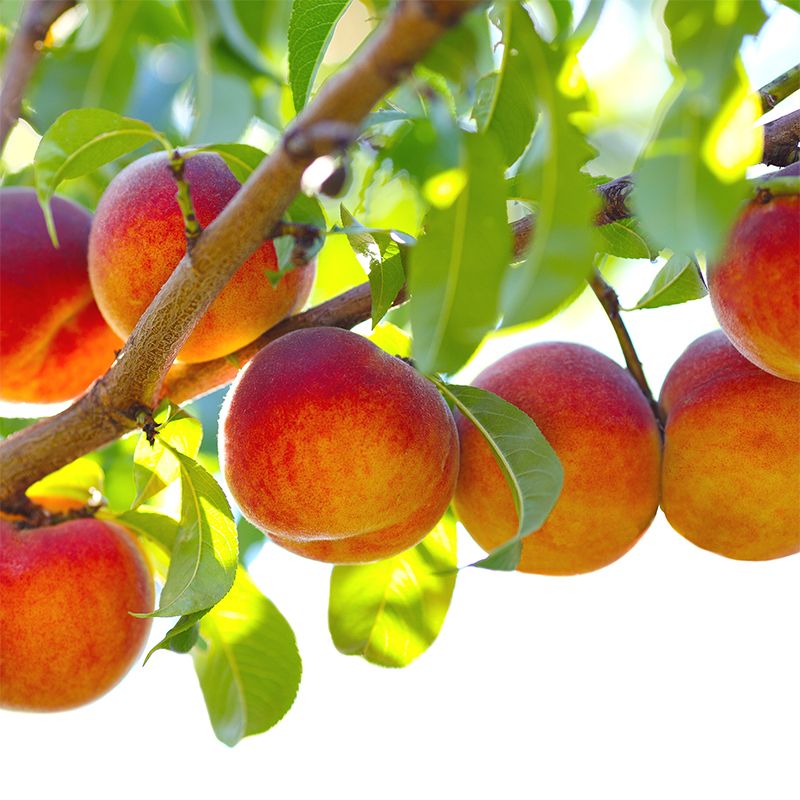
<point x="109" y="409"/>
<point x="35" y="21"/>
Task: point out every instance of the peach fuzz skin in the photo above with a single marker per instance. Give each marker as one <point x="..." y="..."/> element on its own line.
<point x="138" y="239"/>
<point x="596" y="419"/>
<point x="337" y="450"/>
<point x="755" y="286"/>
<point x="65" y="594"/>
<point x="53" y="341"/>
<point x="731" y="479"/>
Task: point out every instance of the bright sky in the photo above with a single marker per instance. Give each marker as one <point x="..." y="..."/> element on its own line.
<point x="670" y="674"/>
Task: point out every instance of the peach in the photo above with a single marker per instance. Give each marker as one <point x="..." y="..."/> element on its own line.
<point x="337" y="450"/>
<point x="731" y="479"/>
<point x="53" y="341"/>
<point x="755" y="286"/>
<point x="137" y="240"/>
<point x="65" y="594"/>
<point x="595" y="417"/>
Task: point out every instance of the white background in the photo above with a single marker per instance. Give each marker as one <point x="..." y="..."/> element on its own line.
<point x="673" y="673"/>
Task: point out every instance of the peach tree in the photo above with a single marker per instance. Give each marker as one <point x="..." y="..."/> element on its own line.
<point x="264" y="175"/>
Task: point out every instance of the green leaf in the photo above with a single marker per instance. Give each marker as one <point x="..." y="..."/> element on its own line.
<point x="379" y="254"/>
<point x="505" y="104"/>
<point x="249" y="667"/>
<point x="625" y="238"/>
<point x="158" y="528"/>
<point x="678" y="281"/>
<point x="562" y="254"/>
<point x="457" y="266"/>
<point x="181" y="637"/>
<point x="691" y="178"/>
<point x="79" y="480"/>
<point x="307" y="210"/>
<point x="241" y="159"/>
<point x="239" y="41"/>
<point x="154" y="466"/>
<point x="204" y="558"/>
<point x="391" y="611"/>
<point x="311" y="27"/>
<point x="528" y="462"/>
<point x="251" y="540"/>
<point x="81" y="140"/>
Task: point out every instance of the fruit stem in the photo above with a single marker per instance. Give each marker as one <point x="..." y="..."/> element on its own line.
<point x="610" y="301"/>
<point x="191" y="226"/>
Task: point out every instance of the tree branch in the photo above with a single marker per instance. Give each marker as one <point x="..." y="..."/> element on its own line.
<point x="135" y="379"/>
<point x="780" y="88"/>
<point x="26" y="47"/>
<point x="781" y="137"/>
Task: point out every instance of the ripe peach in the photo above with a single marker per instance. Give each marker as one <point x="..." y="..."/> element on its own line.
<point x="731" y="479"/>
<point x="596" y="419"/>
<point x="138" y="239"/>
<point x="65" y="594"/>
<point x="337" y="450"/>
<point x="53" y="340"/>
<point x="755" y="286"/>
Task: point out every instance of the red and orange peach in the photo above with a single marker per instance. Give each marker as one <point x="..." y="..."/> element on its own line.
<point x="53" y="340"/>
<point x="138" y="239"/>
<point x="597" y="420"/>
<point x="337" y="450"/>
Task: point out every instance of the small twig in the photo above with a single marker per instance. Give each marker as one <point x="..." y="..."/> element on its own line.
<point x="780" y="88"/>
<point x="610" y="301"/>
<point x="26" y="48"/>
<point x="191" y="225"/>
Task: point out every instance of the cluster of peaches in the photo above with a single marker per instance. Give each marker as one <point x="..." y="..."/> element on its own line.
<point x="343" y="453"/>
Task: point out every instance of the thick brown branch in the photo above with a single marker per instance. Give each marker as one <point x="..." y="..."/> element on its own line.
<point x="136" y="378"/>
<point x="26" y="47"/>
<point x="781" y="137"/>
<point x="610" y="302"/>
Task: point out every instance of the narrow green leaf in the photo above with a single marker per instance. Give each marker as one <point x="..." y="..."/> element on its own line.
<point x="248" y="664"/>
<point x="506" y="99"/>
<point x="251" y="540"/>
<point x="690" y="180"/>
<point x="678" y="281"/>
<point x="158" y="528"/>
<point x="241" y="159"/>
<point x="457" y="267"/>
<point x="626" y="239"/>
<point x="528" y="462"/>
<point x="181" y="637"/>
<point x="154" y="466"/>
<point x="81" y="140"/>
<point x="391" y="611"/>
<point x="79" y="480"/>
<point x="204" y="557"/>
<point x="311" y="27"/>
<point x="379" y="253"/>
<point x="562" y="253"/>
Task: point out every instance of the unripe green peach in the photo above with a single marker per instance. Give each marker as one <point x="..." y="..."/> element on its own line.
<point x="595" y="417"/>
<point x="337" y="450"/>
<point x="138" y="239"/>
